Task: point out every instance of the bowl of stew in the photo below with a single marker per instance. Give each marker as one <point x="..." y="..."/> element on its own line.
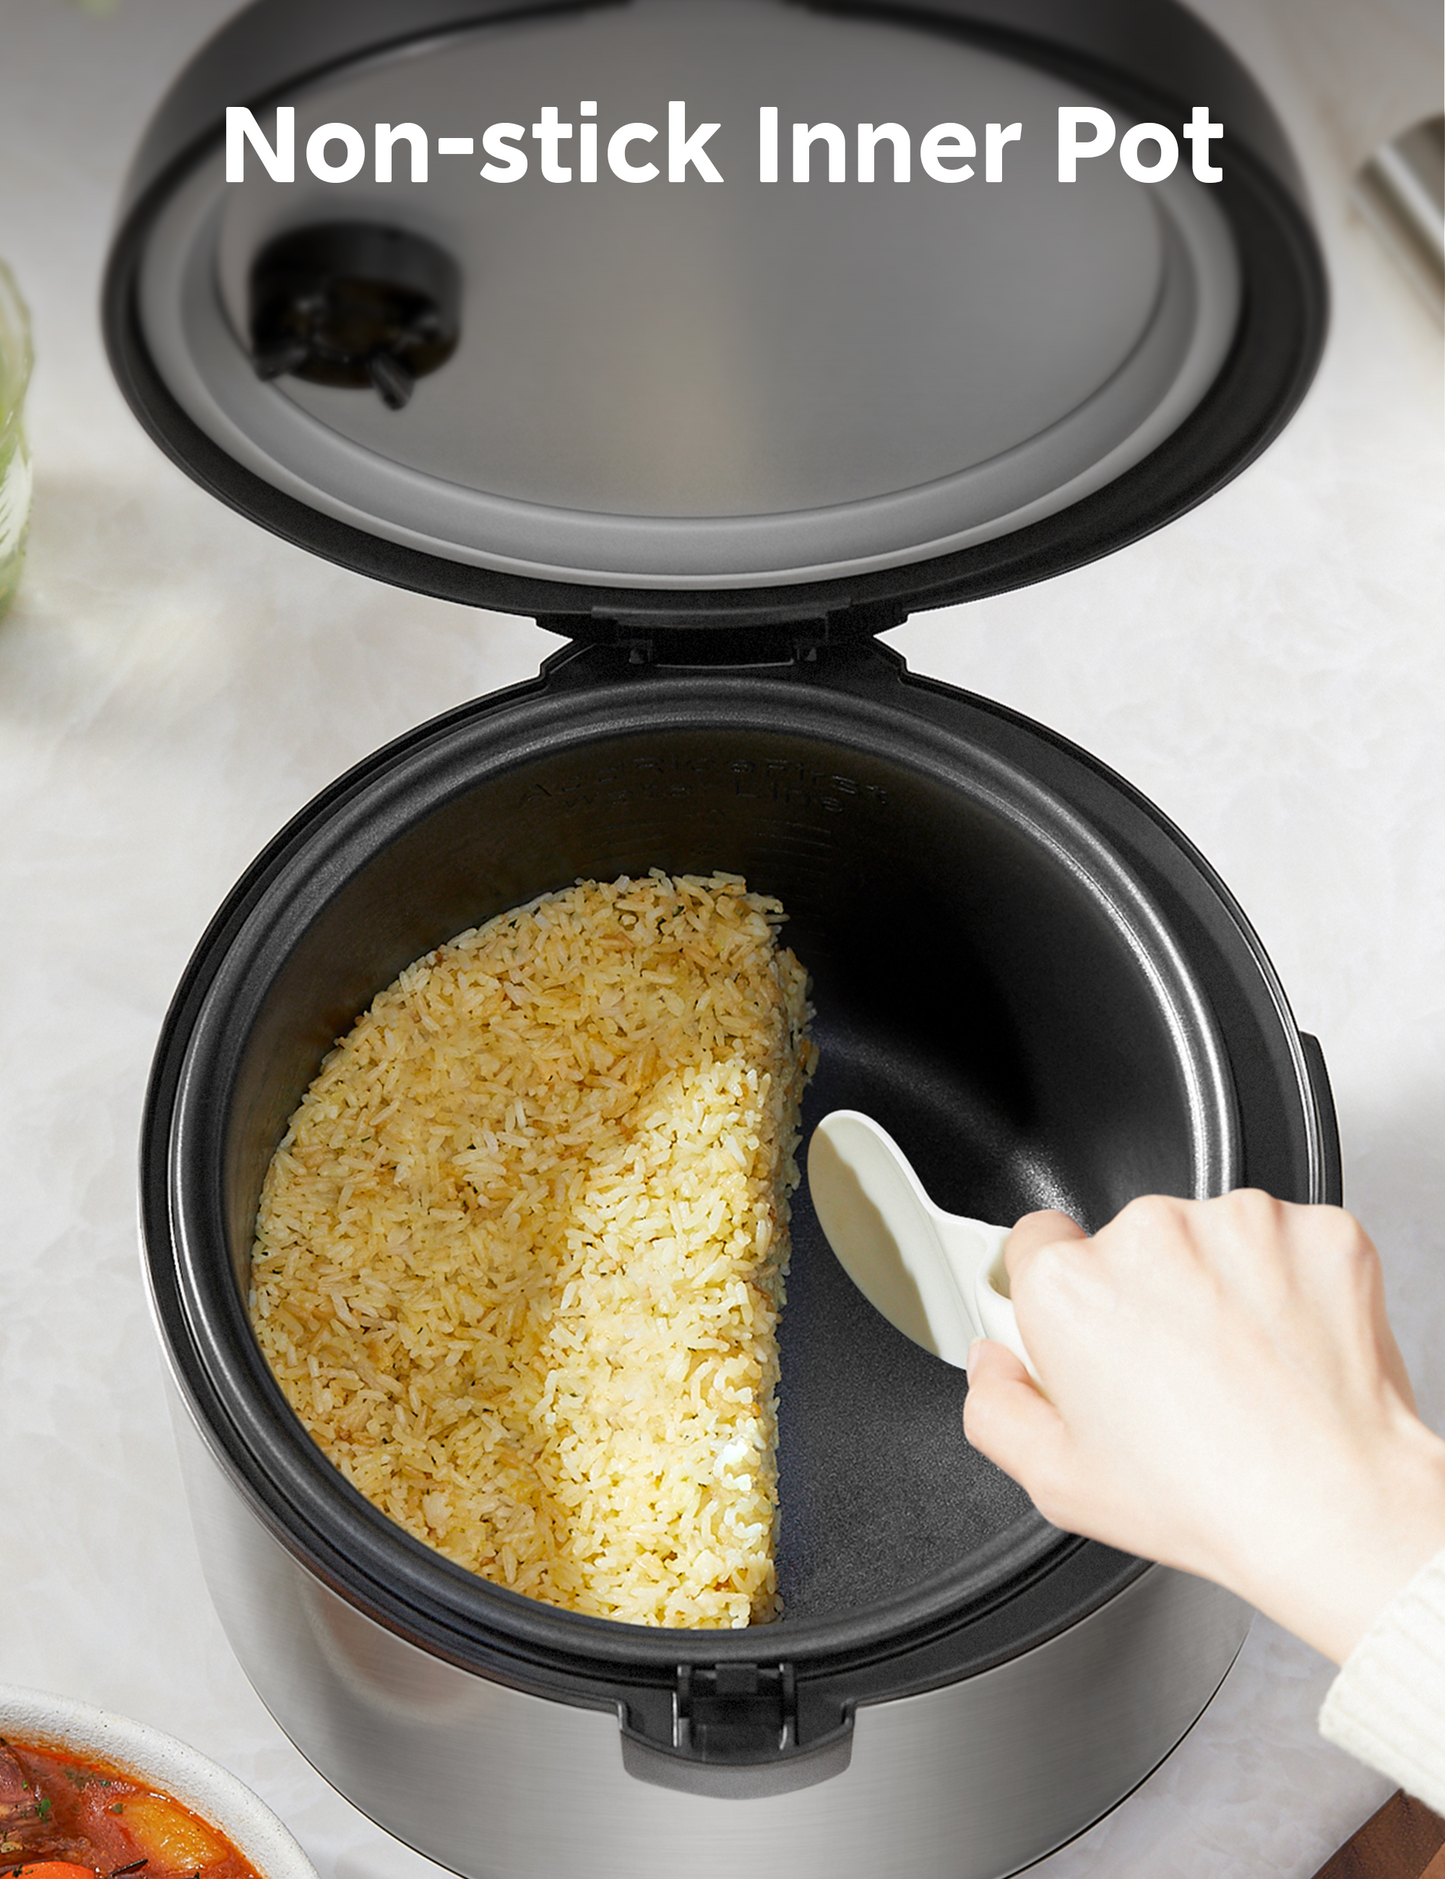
<point x="85" y="1794"/>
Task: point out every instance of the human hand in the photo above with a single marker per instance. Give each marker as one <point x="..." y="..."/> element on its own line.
<point x="1225" y="1395"/>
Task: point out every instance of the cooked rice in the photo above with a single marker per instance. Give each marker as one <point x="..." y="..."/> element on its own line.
<point x="519" y="1258"/>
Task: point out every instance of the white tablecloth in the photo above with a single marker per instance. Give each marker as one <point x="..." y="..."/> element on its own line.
<point x="174" y="684"/>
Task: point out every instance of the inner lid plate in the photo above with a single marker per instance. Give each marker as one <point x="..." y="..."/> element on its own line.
<point x="716" y="386"/>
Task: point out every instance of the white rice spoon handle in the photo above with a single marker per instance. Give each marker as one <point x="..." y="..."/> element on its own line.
<point x="938" y="1277"/>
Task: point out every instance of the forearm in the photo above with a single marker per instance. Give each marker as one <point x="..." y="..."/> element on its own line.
<point x="1334" y="1558"/>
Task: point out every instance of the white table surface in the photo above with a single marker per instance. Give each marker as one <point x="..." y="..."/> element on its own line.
<point x="174" y="684"/>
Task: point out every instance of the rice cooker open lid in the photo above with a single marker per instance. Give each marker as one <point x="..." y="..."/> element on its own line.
<point x="717" y="403"/>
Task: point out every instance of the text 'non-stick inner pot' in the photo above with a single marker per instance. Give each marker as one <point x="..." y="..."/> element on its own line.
<point x="1011" y="1020"/>
<point x="703" y="383"/>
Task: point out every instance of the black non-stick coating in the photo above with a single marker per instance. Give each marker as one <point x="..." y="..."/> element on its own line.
<point x="987" y="985"/>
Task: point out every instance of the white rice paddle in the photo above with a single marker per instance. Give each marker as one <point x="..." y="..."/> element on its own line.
<point x="938" y="1277"/>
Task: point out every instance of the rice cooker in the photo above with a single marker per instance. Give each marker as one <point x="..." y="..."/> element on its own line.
<point x="717" y="410"/>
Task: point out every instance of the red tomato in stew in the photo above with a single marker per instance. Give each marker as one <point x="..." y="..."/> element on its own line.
<point x="64" y="1819"/>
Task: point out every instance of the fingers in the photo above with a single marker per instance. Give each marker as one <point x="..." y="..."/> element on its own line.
<point x="1006" y="1417"/>
<point x="1034" y="1231"/>
<point x="990" y="1360"/>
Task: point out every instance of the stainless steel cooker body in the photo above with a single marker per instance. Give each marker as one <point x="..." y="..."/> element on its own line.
<point x="971" y="1780"/>
<point x="1035" y="982"/>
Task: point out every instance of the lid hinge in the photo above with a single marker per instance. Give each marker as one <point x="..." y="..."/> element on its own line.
<point x="737" y="640"/>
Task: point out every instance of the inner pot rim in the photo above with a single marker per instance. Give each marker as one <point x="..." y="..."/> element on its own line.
<point x="236" y="1402"/>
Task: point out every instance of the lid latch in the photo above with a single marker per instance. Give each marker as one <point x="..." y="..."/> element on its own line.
<point x="735" y="1712"/>
<point x="734" y="1734"/>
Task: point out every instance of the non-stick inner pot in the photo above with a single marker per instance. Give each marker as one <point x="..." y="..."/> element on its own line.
<point x="1009" y="1015"/>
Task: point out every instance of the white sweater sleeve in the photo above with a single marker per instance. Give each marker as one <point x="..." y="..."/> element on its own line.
<point x="1387" y="1705"/>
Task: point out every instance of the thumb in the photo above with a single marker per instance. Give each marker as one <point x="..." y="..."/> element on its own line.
<point x="1006" y="1417"/>
<point x="1048" y="1227"/>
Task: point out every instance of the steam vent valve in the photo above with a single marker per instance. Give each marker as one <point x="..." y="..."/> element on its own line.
<point x="353" y="304"/>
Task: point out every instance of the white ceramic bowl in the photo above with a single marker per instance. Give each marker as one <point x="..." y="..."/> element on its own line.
<point x="135" y="1749"/>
